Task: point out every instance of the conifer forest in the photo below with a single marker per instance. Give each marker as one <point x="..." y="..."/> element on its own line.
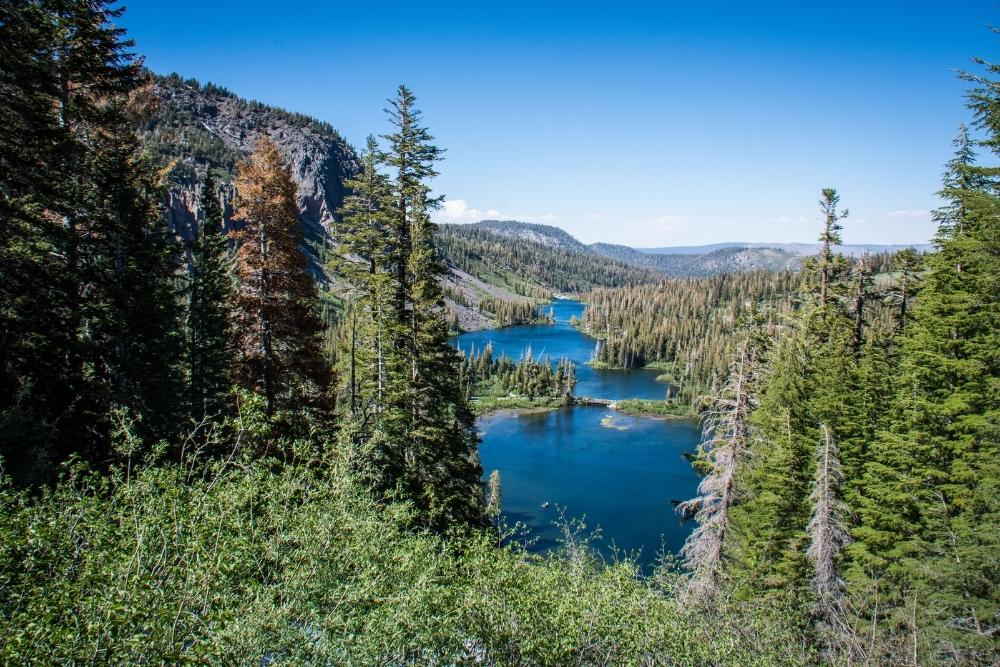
<point x="248" y="385"/>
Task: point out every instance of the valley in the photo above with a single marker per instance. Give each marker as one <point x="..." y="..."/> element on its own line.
<point x="270" y="396"/>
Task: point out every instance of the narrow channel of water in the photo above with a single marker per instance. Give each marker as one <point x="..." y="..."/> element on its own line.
<point x="619" y="473"/>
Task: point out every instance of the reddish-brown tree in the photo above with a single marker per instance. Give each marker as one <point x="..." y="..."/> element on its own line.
<point x="277" y="328"/>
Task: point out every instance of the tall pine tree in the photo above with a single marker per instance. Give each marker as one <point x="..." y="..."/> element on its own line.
<point x="88" y="305"/>
<point x="426" y="408"/>
<point x="277" y="328"/>
<point x="210" y="297"/>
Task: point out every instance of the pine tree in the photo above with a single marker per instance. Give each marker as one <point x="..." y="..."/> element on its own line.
<point x="829" y="238"/>
<point x="828" y="535"/>
<point x="428" y="412"/>
<point x="928" y="487"/>
<point x="862" y="285"/>
<point x="725" y="446"/>
<point x="131" y="315"/>
<point x="769" y="525"/>
<point x="277" y="328"/>
<point x="366" y="262"/>
<point x="87" y="300"/>
<point x="906" y="263"/>
<point x="210" y="297"/>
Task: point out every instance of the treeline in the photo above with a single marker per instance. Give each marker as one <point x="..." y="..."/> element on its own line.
<point x="533" y="269"/>
<point x="684" y="326"/>
<point x="853" y="469"/>
<point x="508" y="313"/>
<point x="482" y="374"/>
<point x="113" y="325"/>
<point x="688" y="327"/>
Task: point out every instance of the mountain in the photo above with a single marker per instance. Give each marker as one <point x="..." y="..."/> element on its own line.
<point x="522" y="262"/>
<point x="198" y="125"/>
<point x="802" y="249"/>
<point x="723" y="260"/>
<point x="546" y="235"/>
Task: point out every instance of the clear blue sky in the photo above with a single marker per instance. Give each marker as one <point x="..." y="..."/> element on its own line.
<point x="645" y="124"/>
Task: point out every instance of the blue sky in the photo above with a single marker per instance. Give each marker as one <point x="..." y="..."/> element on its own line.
<point x="645" y="124"/>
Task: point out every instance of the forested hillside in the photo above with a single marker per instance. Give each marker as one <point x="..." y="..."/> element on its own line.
<point x="530" y="267"/>
<point x="685" y="327"/>
<point x="688" y="327"/>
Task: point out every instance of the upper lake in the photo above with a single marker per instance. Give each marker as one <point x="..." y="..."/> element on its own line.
<point x="619" y="473"/>
<point x="562" y="340"/>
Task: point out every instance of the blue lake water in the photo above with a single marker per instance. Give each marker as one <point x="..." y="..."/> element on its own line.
<point x="619" y="473"/>
<point x="562" y="340"/>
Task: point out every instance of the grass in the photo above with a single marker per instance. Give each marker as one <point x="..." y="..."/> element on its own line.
<point x="659" y="366"/>
<point x="484" y="405"/>
<point x="650" y="408"/>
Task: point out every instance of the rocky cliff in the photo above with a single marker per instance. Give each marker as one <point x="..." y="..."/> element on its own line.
<point x="200" y="126"/>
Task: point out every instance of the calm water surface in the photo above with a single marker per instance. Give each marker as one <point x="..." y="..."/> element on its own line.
<point x="618" y="473"/>
<point x="561" y="340"/>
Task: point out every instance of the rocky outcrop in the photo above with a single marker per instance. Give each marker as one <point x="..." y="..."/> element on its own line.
<point x="207" y="126"/>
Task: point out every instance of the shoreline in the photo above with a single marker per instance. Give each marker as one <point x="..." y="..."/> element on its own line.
<point x="633" y="407"/>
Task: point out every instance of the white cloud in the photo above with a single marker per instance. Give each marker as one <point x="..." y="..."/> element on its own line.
<point x="595" y="216"/>
<point x="459" y="210"/>
<point x="910" y="213"/>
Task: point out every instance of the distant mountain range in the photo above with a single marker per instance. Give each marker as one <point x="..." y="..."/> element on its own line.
<point x="802" y="249"/>
<point x="722" y="259"/>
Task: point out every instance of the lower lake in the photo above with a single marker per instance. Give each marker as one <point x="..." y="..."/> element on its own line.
<point x="615" y="472"/>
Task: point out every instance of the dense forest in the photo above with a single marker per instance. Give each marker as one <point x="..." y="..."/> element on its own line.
<point x="531" y="268"/>
<point x="852" y="461"/>
<point x="489" y="379"/>
<point x="689" y="327"/>
<point x="188" y="478"/>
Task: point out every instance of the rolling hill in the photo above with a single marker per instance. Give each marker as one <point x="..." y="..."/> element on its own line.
<point x="802" y="249"/>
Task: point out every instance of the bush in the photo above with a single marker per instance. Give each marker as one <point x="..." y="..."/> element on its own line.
<point x="261" y="562"/>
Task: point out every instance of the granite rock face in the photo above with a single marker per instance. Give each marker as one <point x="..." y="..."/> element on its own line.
<point x="206" y="126"/>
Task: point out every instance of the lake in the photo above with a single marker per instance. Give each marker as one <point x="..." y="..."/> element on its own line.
<point x="562" y="340"/>
<point x="618" y="473"/>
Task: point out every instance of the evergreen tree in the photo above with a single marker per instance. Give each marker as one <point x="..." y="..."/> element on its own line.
<point x="367" y="247"/>
<point x="87" y="299"/>
<point x="210" y="297"/>
<point x="725" y="448"/>
<point x="440" y="464"/>
<point x="829" y="238"/>
<point x="928" y="508"/>
<point x="277" y="328"/>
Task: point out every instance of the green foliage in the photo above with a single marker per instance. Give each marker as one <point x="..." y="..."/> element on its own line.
<point x="88" y="303"/>
<point x="686" y="326"/>
<point x="210" y="297"/>
<point x="408" y="413"/>
<point x="650" y="408"/>
<point x="530" y="268"/>
<point x="250" y="561"/>
<point x="486" y="376"/>
<point x="509" y="313"/>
